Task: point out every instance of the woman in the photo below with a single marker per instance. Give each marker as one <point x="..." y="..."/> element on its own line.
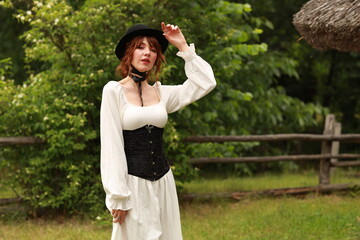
<point x="139" y="185"/>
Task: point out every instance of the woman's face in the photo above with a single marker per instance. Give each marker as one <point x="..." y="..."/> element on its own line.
<point x="144" y="56"/>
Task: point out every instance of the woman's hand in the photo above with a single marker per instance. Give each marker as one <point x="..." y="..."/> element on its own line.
<point x="118" y="215"/>
<point x="174" y="35"/>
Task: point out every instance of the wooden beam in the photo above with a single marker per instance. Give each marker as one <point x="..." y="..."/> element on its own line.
<point x="270" y="158"/>
<point x="275" y="137"/>
<point x="335" y="148"/>
<point x="270" y="192"/>
<point x="7" y="201"/>
<point x="346" y="164"/>
<point x="324" y="169"/>
<point x="9" y="141"/>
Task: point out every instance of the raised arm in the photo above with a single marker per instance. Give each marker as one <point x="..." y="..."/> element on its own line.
<point x="200" y="77"/>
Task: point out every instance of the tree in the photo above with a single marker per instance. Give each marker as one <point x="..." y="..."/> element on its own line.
<point x="327" y="78"/>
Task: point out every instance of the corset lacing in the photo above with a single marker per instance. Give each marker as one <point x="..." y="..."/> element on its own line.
<point x="144" y="152"/>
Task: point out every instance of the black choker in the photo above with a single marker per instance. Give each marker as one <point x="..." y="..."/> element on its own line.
<point x="138" y="77"/>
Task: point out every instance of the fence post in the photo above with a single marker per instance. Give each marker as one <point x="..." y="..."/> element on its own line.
<point x="326" y="149"/>
<point x="335" y="148"/>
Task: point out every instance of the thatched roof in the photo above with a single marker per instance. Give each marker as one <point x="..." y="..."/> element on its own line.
<point x="330" y="24"/>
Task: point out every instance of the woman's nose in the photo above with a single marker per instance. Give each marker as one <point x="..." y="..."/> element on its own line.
<point x="147" y="51"/>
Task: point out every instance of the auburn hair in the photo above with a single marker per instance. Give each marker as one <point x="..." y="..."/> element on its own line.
<point x="124" y="68"/>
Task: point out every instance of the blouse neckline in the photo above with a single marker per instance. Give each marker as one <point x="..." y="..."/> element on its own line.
<point x="134" y="105"/>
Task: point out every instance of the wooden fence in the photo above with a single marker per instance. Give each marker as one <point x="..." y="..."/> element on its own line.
<point x="328" y="157"/>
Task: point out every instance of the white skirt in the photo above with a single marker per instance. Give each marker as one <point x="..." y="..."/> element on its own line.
<point x="155" y="211"/>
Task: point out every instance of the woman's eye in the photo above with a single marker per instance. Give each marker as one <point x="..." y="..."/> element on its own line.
<point x="153" y="50"/>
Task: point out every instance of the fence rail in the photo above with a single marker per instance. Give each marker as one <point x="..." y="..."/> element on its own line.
<point x="328" y="157"/>
<point x="278" y="158"/>
<point x="10" y="141"/>
<point x="275" y="137"/>
<point x="271" y="192"/>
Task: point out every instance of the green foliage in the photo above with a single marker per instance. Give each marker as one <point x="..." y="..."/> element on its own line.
<point x="11" y="45"/>
<point x="72" y="48"/>
<point x="61" y="104"/>
<point x="328" y="78"/>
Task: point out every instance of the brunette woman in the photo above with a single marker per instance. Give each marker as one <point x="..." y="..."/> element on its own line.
<point x="139" y="185"/>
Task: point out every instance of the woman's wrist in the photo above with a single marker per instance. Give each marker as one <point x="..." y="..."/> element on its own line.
<point x="183" y="47"/>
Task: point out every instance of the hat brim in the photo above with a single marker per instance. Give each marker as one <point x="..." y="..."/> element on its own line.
<point x="121" y="46"/>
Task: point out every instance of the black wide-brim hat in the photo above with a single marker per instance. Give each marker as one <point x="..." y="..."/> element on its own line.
<point x="140" y="30"/>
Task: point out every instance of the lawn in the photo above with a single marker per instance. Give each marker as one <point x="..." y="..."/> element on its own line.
<point x="315" y="217"/>
<point x="318" y="217"/>
<point x="266" y="181"/>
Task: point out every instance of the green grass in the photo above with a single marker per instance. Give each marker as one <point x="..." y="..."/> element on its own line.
<point x="51" y="230"/>
<point x="265" y="181"/>
<point x="319" y="218"/>
<point x="314" y="217"/>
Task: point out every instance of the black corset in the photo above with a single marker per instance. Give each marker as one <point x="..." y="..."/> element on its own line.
<point x="144" y="152"/>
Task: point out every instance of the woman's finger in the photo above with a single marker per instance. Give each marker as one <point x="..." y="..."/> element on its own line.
<point x="122" y="218"/>
<point x="115" y="220"/>
<point x="169" y="26"/>
<point x="115" y="213"/>
<point x="119" y="216"/>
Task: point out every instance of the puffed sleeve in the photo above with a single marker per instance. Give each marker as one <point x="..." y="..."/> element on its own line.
<point x="200" y="81"/>
<point x="113" y="160"/>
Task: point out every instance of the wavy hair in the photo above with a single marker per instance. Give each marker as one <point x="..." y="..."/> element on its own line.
<point x="124" y="68"/>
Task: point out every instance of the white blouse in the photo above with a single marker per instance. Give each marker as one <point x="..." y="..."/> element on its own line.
<point x="136" y="117"/>
<point x="117" y="114"/>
